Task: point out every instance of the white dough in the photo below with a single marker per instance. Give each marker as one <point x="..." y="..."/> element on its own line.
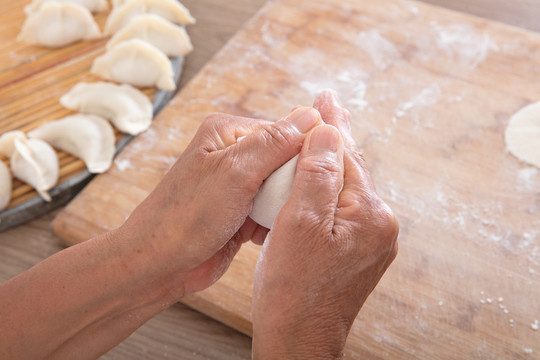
<point x="88" y="137"/>
<point x="5" y="186"/>
<point x="171" y="39"/>
<point x="7" y="142"/>
<point x="273" y="194"/>
<point x="92" y="5"/>
<point x="32" y="161"/>
<point x="127" y="108"/>
<point x="57" y="24"/>
<point x="523" y="135"/>
<point x="171" y="10"/>
<point x="136" y="62"/>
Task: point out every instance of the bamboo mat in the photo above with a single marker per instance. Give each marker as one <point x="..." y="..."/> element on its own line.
<point x="32" y="80"/>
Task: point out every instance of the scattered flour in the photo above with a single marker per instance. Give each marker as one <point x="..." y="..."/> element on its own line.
<point x="427" y="97"/>
<point x="381" y="50"/>
<point x="123" y="164"/>
<point x="460" y="42"/>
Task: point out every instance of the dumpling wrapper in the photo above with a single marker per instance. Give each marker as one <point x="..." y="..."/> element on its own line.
<point x="57" y="24"/>
<point x="93" y="6"/>
<point x="273" y="194"/>
<point x="171" y="10"/>
<point x="88" y="137"/>
<point x="171" y="39"/>
<point x="136" y="62"/>
<point x="35" y="163"/>
<point x="7" y="142"/>
<point x="129" y="110"/>
<point x="5" y="186"/>
<point x="523" y="135"/>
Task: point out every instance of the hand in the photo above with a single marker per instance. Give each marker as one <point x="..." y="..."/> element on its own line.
<point x="329" y="247"/>
<point x="195" y="221"/>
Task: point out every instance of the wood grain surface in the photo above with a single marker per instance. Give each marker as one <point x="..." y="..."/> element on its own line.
<point x="33" y="78"/>
<point x="182" y="333"/>
<point x="431" y="92"/>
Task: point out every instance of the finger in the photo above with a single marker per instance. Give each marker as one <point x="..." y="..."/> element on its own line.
<point x="357" y="185"/>
<point x="327" y="103"/>
<point x="318" y="178"/>
<point x="219" y="131"/>
<point x="212" y="269"/>
<point x="268" y="148"/>
<point x="251" y="231"/>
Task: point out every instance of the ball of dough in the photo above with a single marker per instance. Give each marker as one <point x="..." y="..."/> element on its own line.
<point x="523" y="135"/>
<point x="273" y="194"/>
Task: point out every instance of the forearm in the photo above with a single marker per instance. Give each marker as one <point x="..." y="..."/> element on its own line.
<point x="83" y="300"/>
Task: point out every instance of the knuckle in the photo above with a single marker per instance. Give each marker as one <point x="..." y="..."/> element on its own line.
<point x="319" y="168"/>
<point x="386" y="227"/>
<point x="277" y="136"/>
<point x="374" y="219"/>
<point x="214" y="120"/>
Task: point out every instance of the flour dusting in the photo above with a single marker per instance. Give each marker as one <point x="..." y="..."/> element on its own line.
<point x="381" y="50"/>
<point x="464" y="43"/>
<point x="123" y="164"/>
<point x="425" y="98"/>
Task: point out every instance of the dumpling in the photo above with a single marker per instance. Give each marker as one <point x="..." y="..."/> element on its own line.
<point x="92" y="5"/>
<point x="273" y="194"/>
<point x="171" y="10"/>
<point x="127" y="108"/>
<point x="58" y="24"/>
<point x="33" y="161"/>
<point x="173" y="40"/>
<point x="136" y="62"/>
<point x="7" y="142"/>
<point x="88" y="137"/>
<point x="5" y="186"/>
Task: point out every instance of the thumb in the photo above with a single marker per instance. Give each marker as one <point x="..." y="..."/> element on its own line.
<point x="268" y="148"/>
<point x="318" y="180"/>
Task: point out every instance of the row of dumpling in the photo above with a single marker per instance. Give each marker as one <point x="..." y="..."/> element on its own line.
<point x="57" y="23"/>
<point x="87" y="135"/>
<point x="145" y="36"/>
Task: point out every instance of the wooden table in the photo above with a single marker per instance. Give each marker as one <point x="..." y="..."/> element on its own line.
<point x="181" y="332"/>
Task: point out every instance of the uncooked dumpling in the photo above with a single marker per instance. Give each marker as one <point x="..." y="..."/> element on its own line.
<point x="32" y="161"/>
<point x="92" y="5"/>
<point x="171" y="10"/>
<point x="5" y="186"/>
<point x="523" y="134"/>
<point x="273" y="194"/>
<point x="57" y="24"/>
<point x="127" y="108"/>
<point x="171" y="39"/>
<point x="7" y="142"/>
<point x="88" y="137"/>
<point x="137" y="63"/>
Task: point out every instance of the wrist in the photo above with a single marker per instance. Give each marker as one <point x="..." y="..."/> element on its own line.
<point x="303" y="335"/>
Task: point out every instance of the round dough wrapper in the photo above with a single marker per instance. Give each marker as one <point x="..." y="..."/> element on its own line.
<point x="523" y="135"/>
<point x="273" y="194"/>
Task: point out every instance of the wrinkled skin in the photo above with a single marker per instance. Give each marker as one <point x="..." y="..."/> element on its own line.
<point x="328" y="248"/>
<point x="325" y="253"/>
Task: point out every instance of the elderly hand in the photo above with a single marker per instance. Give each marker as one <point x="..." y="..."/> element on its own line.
<point x="197" y="217"/>
<point x="328" y="248"/>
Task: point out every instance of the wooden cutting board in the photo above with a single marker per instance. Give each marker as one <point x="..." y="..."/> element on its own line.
<point x="431" y="92"/>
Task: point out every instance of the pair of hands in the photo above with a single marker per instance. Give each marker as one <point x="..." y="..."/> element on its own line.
<point x="328" y="248"/>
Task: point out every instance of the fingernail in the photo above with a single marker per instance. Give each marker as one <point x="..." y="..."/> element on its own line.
<point x="304" y="118"/>
<point x="325" y="137"/>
